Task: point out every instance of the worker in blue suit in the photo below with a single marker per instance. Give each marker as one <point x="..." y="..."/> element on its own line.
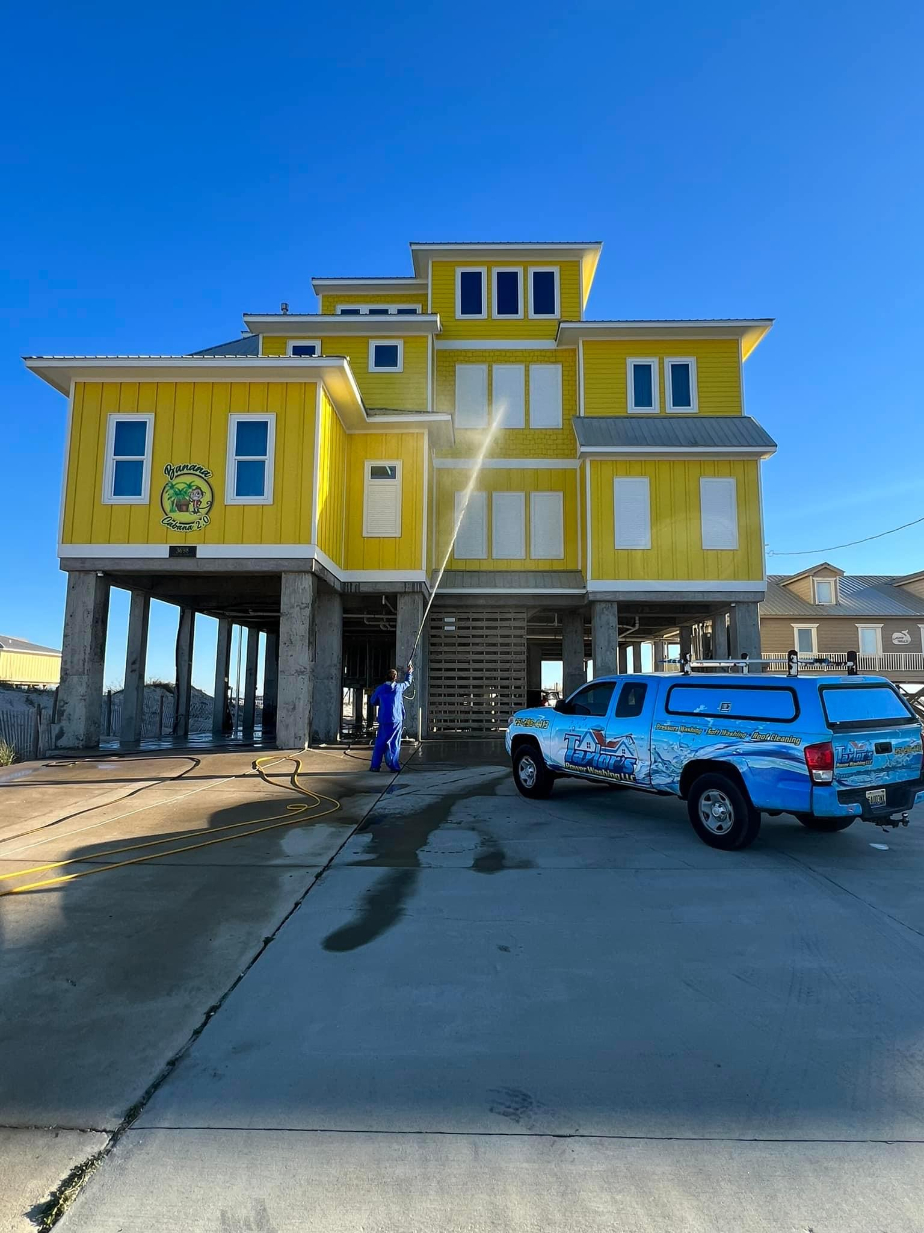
<point x="389" y="698"/>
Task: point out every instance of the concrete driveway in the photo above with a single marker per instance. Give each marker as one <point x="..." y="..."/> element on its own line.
<point x="490" y="1014"/>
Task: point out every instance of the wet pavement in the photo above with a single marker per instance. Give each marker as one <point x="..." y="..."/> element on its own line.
<point x="485" y="1013"/>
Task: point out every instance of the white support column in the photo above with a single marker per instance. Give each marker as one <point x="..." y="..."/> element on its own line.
<point x="136" y="654"/>
<point x="297" y="619"/>
<point x="83" y="654"/>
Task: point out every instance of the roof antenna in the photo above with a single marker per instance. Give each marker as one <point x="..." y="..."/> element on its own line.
<point x="283" y="307"/>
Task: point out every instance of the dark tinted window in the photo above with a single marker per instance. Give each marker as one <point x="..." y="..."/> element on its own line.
<point x="385" y="355"/>
<point x="727" y="701"/>
<point x="304" y="348"/>
<point x="681" y="392"/>
<point x="130" y="438"/>
<point x="642" y="385"/>
<point x="858" y="706"/>
<point x="592" y="699"/>
<point x="378" y="312"/>
<point x="544" y="292"/>
<point x="508" y="293"/>
<point x="251" y="438"/>
<point x="406" y="312"/>
<point x="471" y="293"/>
<point x="349" y="312"/>
<point x="631" y="700"/>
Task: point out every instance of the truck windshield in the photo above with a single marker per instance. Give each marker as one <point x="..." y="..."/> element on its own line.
<point x="864" y="706"/>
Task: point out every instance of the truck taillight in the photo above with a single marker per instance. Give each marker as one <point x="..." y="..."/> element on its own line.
<point x="820" y="761"/>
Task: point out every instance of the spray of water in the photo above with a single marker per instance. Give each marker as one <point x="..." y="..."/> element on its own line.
<point x="463" y="506"/>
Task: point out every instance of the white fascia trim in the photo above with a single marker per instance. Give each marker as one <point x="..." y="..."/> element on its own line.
<point x="113" y="550"/>
<point x="646" y="584"/>
<point x="494" y="344"/>
<point x="869" y="624"/>
<point x="502" y="464"/>
<point x="397" y="283"/>
<point x="718" y="451"/>
<point x="345" y="324"/>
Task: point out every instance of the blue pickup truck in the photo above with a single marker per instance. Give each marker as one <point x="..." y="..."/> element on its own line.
<point x="828" y="749"/>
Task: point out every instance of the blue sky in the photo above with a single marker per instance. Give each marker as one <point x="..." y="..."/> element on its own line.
<point x="166" y="169"/>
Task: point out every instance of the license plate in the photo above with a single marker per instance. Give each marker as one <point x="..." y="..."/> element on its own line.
<point x="877" y="796"/>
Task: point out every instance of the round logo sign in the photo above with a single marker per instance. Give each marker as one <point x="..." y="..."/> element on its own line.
<point x="186" y="498"/>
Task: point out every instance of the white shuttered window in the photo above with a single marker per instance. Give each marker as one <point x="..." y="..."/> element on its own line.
<point x="632" y="512"/>
<point x="546" y="526"/>
<point x="545" y="395"/>
<point x="509" y="394"/>
<point x="718" y="502"/>
<point x="471" y="396"/>
<point x="382" y="500"/>
<point x="508" y="526"/>
<point x="472" y="540"/>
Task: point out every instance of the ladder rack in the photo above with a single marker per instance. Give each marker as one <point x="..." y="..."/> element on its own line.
<point x="794" y="663"/>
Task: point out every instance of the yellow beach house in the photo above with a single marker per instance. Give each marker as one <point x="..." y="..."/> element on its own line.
<point x="304" y="480"/>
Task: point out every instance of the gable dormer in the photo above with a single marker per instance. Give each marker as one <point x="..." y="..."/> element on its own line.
<point x="818" y="585"/>
<point x="914" y="583"/>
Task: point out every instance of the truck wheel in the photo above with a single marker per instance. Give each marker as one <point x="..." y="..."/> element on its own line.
<point x="530" y="773"/>
<point x="721" y="814"/>
<point x="826" y="825"/>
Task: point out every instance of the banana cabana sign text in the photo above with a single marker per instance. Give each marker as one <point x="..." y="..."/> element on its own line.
<point x="187" y="496"/>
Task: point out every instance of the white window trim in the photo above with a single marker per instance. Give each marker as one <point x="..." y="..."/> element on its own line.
<point x="533" y="501"/>
<point x="694" y="389"/>
<point x="724" y="479"/>
<point x="109" y="463"/>
<point x="823" y="603"/>
<point x="386" y="342"/>
<point x="543" y="269"/>
<point x="870" y="625"/>
<point x="381" y="310"/>
<point x="233" y="420"/>
<point x="507" y="269"/>
<point x="367" y="480"/>
<point x="795" y="638"/>
<point x="630" y="385"/>
<point x="472" y="269"/>
<point x="303" y="342"/>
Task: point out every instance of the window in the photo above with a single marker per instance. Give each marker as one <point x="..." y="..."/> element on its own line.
<point x="680" y="384"/>
<point x="508" y="526"/>
<point x="642" y="384"/>
<point x="377" y="310"/>
<point x="870" y="637"/>
<point x="806" y="639"/>
<point x="631" y="700"/>
<point x="546" y="526"/>
<point x="471" y="396"/>
<point x="631" y="512"/>
<point x="406" y="312"/>
<point x="470" y="297"/>
<point x="825" y="590"/>
<point x="864" y="706"/>
<point x="127" y="471"/>
<point x="472" y="539"/>
<point x="509" y="394"/>
<point x="386" y="355"/>
<point x="508" y="293"/>
<point x="302" y="346"/>
<point x="543" y="291"/>
<point x="718" y="502"/>
<point x="728" y="701"/>
<point x="382" y="500"/>
<point x="249" y="480"/>
<point x="349" y="312"/>
<point x="545" y="395"/>
<point x="592" y="699"/>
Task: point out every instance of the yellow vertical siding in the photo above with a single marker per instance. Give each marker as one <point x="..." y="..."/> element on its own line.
<point x="332" y="469"/>
<point x="191" y="425"/>
<point x="676" y="537"/>
<point x="718" y="373"/>
<point x="329" y="302"/>
<point x="525" y="480"/>
<point x="405" y="551"/>
<point x="402" y="391"/>
<point x="511" y="442"/>
<point x="444" y="301"/>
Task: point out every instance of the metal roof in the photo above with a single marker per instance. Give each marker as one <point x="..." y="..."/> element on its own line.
<point x="19" y="644"/>
<point x="671" y="432"/>
<point x="249" y="344"/>
<point x="513" y="580"/>
<point x="859" y="595"/>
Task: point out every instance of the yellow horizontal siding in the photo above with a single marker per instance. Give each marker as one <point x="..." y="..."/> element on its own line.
<point x="29" y="669"/>
<point x="718" y="373"/>
<point x="329" y="302"/>
<point x="400" y="553"/>
<point x="332" y="469"/>
<point x="443" y="301"/>
<point x="510" y="442"/>
<point x="676" y="537"/>
<point x="525" y="480"/>
<point x="191" y="425"/>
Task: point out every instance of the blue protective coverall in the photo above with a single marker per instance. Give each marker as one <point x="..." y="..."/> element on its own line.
<point x="389" y="698"/>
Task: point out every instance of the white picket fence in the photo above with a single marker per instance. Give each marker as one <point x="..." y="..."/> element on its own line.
<point x="27" y="732"/>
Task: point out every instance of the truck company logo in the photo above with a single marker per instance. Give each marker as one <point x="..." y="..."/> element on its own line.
<point x="187" y="497"/>
<point x="591" y="751"/>
<point x="855" y="753"/>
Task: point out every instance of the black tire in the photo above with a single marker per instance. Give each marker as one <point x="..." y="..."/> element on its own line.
<point x="734" y="822"/>
<point x="530" y="773"/>
<point x="826" y="825"/>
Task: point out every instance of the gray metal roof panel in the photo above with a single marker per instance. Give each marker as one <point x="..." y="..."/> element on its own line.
<point x="19" y="644"/>
<point x="508" y="579"/>
<point x="859" y="595"/>
<point x="660" y="432"/>
<point x="249" y="344"/>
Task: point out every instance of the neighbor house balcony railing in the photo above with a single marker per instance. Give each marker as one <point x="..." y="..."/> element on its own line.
<point x="892" y="663"/>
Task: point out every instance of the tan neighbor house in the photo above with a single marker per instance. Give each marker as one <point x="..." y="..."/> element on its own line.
<point x="823" y="611"/>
